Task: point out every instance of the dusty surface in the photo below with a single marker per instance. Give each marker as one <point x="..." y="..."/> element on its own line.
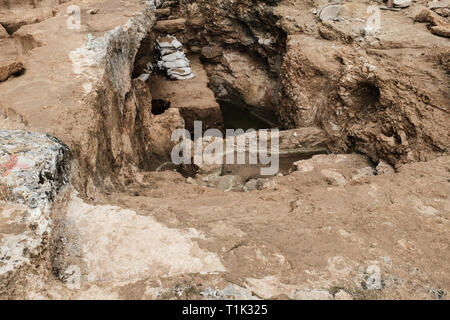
<point x="369" y="221"/>
<point x="323" y="234"/>
<point x="342" y="233"/>
<point x="192" y="98"/>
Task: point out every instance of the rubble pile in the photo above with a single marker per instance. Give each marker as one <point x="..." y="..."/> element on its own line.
<point x="438" y="25"/>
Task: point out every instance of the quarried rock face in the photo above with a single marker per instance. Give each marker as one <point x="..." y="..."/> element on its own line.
<point x="333" y="226"/>
<point x="33" y="166"/>
<point x="33" y="169"/>
<point x="173" y="60"/>
<point x="362" y="103"/>
<point x="3" y="33"/>
<point x="321" y="65"/>
<point x="382" y="94"/>
<point x="241" y="47"/>
<point x="10" y="63"/>
<point x="191" y="97"/>
<point x="106" y="114"/>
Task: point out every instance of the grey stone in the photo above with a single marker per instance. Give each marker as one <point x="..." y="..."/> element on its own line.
<point x="384" y="168"/>
<point x="33" y="166"/>
<point x="330" y="12"/>
<point x="402" y="3"/>
<point x="173" y="59"/>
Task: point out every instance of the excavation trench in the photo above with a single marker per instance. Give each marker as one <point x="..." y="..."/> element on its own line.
<point x="154" y="224"/>
<point x="234" y="87"/>
<point x="197" y="99"/>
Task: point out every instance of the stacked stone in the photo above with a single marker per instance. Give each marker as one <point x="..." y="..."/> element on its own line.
<point x="172" y="59"/>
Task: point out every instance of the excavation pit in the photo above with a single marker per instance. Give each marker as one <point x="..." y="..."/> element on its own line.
<point x="237" y="116"/>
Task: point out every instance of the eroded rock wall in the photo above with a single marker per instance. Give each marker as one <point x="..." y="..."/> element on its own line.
<point x="384" y="94"/>
<point x="367" y="100"/>
<point x="241" y="47"/>
<point x="91" y="102"/>
<point x="34" y="169"/>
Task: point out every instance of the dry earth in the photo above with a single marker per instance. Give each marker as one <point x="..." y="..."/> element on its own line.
<point x="91" y="208"/>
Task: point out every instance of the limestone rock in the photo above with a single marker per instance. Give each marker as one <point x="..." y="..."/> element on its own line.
<point x="335" y="170"/>
<point x="438" y="4"/>
<point x="211" y="52"/>
<point x="439" y="27"/>
<point x="3" y="33"/>
<point x="136" y="246"/>
<point x="24" y="235"/>
<point x="330" y="12"/>
<point x="255" y="184"/>
<point x="384" y="168"/>
<point x="402" y="3"/>
<point x="226" y="183"/>
<point x="342" y="295"/>
<point x="231" y="291"/>
<point x="158" y="140"/>
<point x="441" y="31"/>
<point x="162" y="13"/>
<point x="14" y="19"/>
<point x="33" y="169"/>
<point x="8" y="68"/>
<point x="240" y="72"/>
<point x="171" y="26"/>
<point x="308" y="137"/>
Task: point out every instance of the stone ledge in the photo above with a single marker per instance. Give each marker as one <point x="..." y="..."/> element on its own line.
<point x="33" y="169"/>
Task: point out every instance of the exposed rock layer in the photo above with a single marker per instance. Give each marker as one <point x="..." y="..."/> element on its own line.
<point x="338" y="227"/>
<point x="384" y="95"/>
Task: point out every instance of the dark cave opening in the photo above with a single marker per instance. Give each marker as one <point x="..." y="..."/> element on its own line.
<point x="159" y="106"/>
<point x="238" y="116"/>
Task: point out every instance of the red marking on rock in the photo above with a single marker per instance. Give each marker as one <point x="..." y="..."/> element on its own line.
<point x="6" y="167"/>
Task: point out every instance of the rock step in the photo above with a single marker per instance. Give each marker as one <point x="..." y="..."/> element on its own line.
<point x="9" y="61"/>
<point x="3" y="33"/>
<point x="171" y="26"/>
<point x="169" y="4"/>
<point x="201" y="103"/>
<point x="162" y="13"/>
<point x="33" y="169"/>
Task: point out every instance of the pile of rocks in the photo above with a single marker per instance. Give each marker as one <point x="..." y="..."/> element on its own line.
<point x="172" y="59"/>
